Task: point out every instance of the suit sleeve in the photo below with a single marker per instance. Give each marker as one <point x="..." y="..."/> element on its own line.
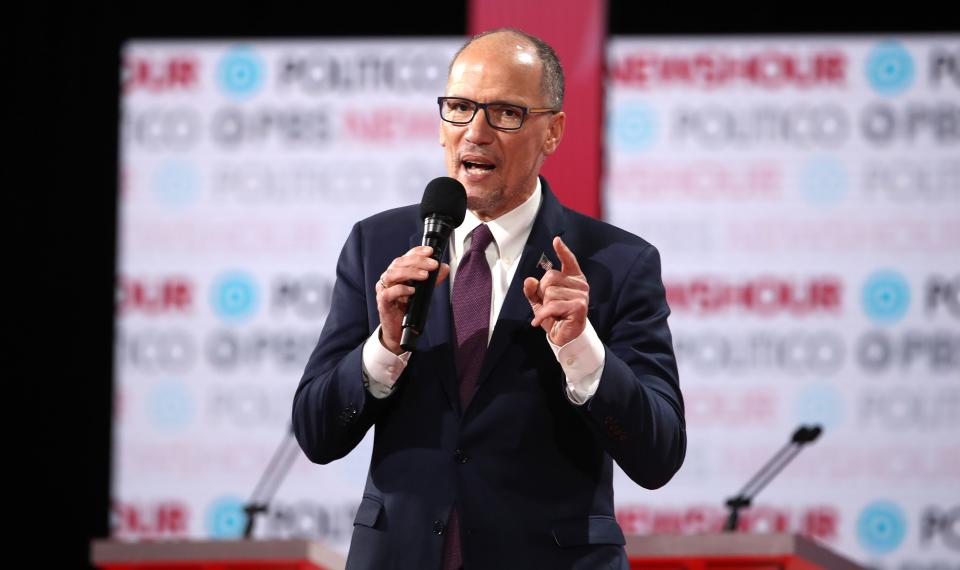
<point x="332" y="410"/>
<point x="637" y="411"/>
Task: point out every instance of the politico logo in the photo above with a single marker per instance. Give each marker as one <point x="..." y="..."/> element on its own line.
<point x="160" y="75"/>
<point x="245" y="406"/>
<point x="152" y="351"/>
<point x="713" y="69"/>
<point x="793" y="352"/>
<point x="154" y="296"/>
<point x="889" y="68"/>
<point x="885" y="296"/>
<point x="765" y="296"/>
<point x="803" y="126"/>
<point x="402" y="70"/>
<point x="161" y="519"/>
<point x="881" y="527"/>
<point x="634" y="126"/>
<point x="168" y="129"/>
<point x="234" y="296"/>
<point x="903" y="408"/>
<point x="241" y="72"/>
<point x="906" y="181"/>
<point x="225" y="518"/>
<point x="315" y="183"/>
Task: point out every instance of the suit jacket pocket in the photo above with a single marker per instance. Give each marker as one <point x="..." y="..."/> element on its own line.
<point x="594" y="529"/>
<point x="368" y="513"/>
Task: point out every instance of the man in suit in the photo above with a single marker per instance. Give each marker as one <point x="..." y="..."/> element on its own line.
<point x="546" y="355"/>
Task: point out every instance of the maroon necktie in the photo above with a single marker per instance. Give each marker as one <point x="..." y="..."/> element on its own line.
<point x="471" y="321"/>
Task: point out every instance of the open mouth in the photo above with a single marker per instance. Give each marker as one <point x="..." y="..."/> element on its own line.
<point x="475" y="166"/>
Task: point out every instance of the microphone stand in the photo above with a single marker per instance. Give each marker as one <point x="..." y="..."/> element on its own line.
<point x="266" y="488"/>
<point x="773" y="467"/>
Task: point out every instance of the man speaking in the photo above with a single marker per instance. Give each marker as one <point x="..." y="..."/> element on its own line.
<point x="545" y="356"/>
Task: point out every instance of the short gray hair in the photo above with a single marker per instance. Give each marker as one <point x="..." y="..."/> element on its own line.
<point x="551" y="84"/>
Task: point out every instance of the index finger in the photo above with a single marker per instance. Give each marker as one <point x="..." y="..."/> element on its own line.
<point x="568" y="261"/>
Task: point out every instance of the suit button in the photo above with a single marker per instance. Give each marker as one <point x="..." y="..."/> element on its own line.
<point x="438" y="527"/>
<point x="460" y="457"/>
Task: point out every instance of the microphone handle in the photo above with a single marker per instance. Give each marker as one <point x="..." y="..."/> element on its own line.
<point x="436" y="232"/>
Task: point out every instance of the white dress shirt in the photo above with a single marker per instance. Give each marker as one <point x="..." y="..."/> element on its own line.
<point x="581" y="359"/>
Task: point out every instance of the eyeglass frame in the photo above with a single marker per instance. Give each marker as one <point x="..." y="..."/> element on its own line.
<point x="478" y="106"/>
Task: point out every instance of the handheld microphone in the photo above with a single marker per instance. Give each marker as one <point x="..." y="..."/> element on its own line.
<point x="442" y="208"/>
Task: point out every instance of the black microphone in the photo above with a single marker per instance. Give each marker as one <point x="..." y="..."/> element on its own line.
<point x="442" y="208"/>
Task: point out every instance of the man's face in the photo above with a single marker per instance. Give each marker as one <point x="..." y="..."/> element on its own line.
<point x="498" y="168"/>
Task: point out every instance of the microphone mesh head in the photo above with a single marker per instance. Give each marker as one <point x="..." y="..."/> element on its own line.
<point x="445" y="197"/>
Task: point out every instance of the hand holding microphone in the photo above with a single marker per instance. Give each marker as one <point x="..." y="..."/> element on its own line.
<point x="404" y="290"/>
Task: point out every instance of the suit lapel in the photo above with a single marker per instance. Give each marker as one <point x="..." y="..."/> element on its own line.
<point x="516" y="312"/>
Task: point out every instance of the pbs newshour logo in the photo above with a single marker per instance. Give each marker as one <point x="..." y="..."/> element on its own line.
<point x="889" y="68"/>
<point x="241" y="72"/>
<point x="886" y="296"/>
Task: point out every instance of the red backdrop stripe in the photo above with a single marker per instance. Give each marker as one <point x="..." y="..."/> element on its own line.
<point x="576" y="29"/>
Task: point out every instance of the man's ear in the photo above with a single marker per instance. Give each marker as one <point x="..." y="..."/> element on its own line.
<point x="440" y="132"/>
<point x="554" y="133"/>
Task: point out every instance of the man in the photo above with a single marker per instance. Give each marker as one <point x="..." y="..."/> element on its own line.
<point x="497" y="452"/>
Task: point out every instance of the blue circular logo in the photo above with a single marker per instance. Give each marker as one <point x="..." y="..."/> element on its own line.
<point x="886" y="296"/>
<point x="634" y="126"/>
<point x="889" y="68"/>
<point x="819" y="404"/>
<point x="881" y="527"/>
<point x="176" y="183"/>
<point x="226" y="518"/>
<point x="240" y="72"/>
<point x="824" y="181"/>
<point x="169" y="405"/>
<point x="234" y="296"/>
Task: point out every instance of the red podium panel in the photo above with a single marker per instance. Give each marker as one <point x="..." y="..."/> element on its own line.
<point x="215" y="555"/>
<point x="733" y="551"/>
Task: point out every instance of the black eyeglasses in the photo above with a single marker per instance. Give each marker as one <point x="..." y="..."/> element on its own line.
<point x="502" y="116"/>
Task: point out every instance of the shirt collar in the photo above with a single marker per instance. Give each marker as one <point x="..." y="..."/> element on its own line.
<point x="510" y="231"/>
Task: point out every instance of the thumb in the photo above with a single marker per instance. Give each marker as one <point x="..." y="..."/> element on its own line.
<point x="530" y="286"/>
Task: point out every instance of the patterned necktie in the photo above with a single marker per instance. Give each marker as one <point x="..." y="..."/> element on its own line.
<point x="471" y="312"/>
<point x="471" y="320"/>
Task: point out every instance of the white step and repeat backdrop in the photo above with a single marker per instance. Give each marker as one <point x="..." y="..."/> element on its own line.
<point x="804" y="193"/>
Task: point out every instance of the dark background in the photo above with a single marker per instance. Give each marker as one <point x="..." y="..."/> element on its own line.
<point x="62" y="224"/>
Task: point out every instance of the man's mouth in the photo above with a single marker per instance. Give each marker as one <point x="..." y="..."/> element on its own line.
<point x="477" y="166"/>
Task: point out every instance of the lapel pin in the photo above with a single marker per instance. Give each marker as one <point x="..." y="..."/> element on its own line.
<point x="545" y="262"/>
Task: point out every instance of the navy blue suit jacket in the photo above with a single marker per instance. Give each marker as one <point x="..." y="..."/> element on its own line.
<point x="530" y="472"/>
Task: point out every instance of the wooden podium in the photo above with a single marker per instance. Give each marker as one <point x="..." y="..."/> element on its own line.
<point x="733" y="551"/>
<point x="215" y="555"/>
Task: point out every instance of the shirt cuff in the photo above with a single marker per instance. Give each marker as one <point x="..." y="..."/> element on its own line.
<point x="582" y="362"/>
<point x="381" y="368"/>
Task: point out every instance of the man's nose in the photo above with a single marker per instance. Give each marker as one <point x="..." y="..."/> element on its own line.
<point x="479" y="130"/>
